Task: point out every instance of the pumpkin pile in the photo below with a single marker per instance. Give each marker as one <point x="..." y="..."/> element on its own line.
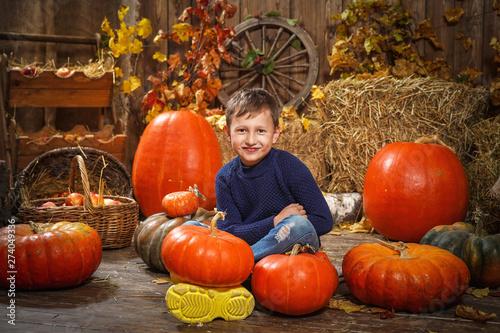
<point x="48" y="256"/>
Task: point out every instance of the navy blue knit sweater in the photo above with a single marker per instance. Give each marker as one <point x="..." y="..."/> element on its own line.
<point x="253" y="196"/>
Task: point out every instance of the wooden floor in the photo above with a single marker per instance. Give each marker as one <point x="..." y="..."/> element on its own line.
<point x="121" y="297"/>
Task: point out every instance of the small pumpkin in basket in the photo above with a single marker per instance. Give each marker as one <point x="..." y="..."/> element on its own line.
<point x="410" y="277"/>
<point x="479" y="251"/>
<point x="294" y="284"/>
<point x="149" y="235"/>
<point x="47" y="255"/>
<point x="207" y="256"/>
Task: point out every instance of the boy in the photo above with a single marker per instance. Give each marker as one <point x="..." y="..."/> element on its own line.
<point x="271" y="199"/>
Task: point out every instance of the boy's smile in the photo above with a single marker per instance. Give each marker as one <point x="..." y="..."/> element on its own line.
<point x="252" y="136"/>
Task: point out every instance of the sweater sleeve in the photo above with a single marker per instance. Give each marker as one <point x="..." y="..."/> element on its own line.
<point x="251" y="233"/>
<point x="306" y="192"/>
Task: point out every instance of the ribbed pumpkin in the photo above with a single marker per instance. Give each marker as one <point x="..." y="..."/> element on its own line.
<point x="411" y="277"/>
<point x="294" y="284"/>
<point x="450" y="237"/>
<point x="149" y="235"/>
<point x="207" y="256"/>
<point x="178" y="149"/>
<point x="410" y="188"/>
<point x="480" y="252"/>
<point x="47" y="255"/>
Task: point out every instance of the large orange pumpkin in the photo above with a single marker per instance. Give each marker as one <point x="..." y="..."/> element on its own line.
<point x="410" y="277"/>
<point x="178" y="149"/>
<point x="47" y="255"/>
<point x="294" y="284"/>
<point x="410" y="188"/>
<point x="207" y="256"/>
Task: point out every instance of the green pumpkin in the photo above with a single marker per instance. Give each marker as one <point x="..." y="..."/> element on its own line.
<point x="479" y="251"/>
<point x="482" y="255"/>
<point x="149" y="235"/>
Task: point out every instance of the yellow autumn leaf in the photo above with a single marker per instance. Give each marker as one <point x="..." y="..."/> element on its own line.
<point x="289" y="112"/>
<point x="116" y="48"/>
<point x="305" y="123"/>
<point x="480" y="293"/>
<point x="467" y="43"/>
<point x="468" y="312"/>
<point x="131" y="84"/>
<point x="453" y="15"/>
<point x="218" y="121"/>
<point x="317" y="93"/>
<point x="107" y="28"/>
<point x="496" y="6"/>
<point x="182" y="30"/>
<point x="346" y="306"/>
<point x="145" y="28"/>
<point x="118" y="72"/>
<point x="122" y="12"/>
<point x="136" y="47"/>
<point x="160" y="57"/>
<point x="425" y="30"/>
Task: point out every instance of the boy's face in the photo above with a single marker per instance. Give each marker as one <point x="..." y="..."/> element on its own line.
<point x="252" y="136"/>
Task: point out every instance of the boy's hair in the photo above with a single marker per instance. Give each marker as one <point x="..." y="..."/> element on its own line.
<point x="252" y="100"/>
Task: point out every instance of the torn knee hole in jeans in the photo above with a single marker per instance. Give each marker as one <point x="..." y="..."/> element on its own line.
<point x="283" y="233"/>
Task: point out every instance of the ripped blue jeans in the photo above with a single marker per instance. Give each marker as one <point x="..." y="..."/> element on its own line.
<point x="292" y="230"/>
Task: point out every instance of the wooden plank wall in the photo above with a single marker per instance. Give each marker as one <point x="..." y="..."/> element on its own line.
<point x="479" y="22"/>
<point x="83" y="18"/>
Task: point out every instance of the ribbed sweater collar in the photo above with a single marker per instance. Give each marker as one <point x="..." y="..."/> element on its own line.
<point x="258" y="169"/>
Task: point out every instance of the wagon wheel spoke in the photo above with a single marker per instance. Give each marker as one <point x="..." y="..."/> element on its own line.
<point x="300" y="82"/>
<point x="249" y="81"/>
<point x="237" y="46"/>
<point x="292" y="66"/>
<point x="238" y="80"/>
<point x="278" y="35"/>
<point x="292" y="37"/>
<point x="281" y="85"/>
<point x="291" y="57"/>
<point x="250" y="40"/>
<point x="263" y="39"/>
<point x="268" y="79"/>
<point x="237" y="69"/>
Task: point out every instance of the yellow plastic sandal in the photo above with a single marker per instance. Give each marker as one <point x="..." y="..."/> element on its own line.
<point x="195" y="304"/>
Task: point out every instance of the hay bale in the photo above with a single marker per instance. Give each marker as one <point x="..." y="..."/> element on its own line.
<point x="309" y="146"/>
<point x="361" y="116"/>
<point x="483" y="173"/>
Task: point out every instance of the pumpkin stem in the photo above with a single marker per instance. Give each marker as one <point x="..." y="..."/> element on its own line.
<point x="213" y="224"/>
<point x="435" y="140"/>
<point x="300" y="248"/>
<point x="400" y="247"/>
<point x="36" y="228"/>
<point x="197" y="192"/>
<point x="479" y="222"/>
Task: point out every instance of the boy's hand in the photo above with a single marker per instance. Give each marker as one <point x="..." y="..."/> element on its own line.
<point x="292" y="209"/>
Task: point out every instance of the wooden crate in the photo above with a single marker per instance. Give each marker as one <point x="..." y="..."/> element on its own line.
<point x="49" y="90"/>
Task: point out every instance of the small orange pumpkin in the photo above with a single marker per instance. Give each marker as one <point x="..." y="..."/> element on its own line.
<point x="181" y="203"/>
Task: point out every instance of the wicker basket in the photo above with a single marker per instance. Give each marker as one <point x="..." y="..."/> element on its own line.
<point x="56" y="163"/>
<point x="115" y="224"/>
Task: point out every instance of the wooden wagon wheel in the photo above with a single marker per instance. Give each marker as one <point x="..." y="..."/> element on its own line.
<point x="286" y="61"/>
